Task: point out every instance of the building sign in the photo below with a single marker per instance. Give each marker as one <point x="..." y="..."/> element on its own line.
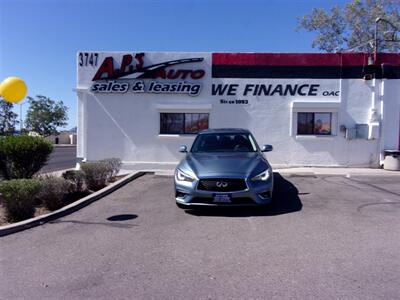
<point x="240" y="93"/>
<point x="258" y="89"/>
<point x="133" y="76"/>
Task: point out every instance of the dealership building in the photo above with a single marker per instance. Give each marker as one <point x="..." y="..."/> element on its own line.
<point x="333" y="109"/>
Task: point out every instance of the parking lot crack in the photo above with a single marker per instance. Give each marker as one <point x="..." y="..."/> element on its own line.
<point x="374" y="187"/>
<point x="376" y="203"/>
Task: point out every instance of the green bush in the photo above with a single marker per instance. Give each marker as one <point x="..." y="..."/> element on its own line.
<point x="19" y="198"/>
<point x="76" y="178"/>
<point x="96" y="174"/>
<point x="3" y="164"/>
<point x="23" y="156"/>
<point x="114" y="164"/>
<point x="54" y="191"/>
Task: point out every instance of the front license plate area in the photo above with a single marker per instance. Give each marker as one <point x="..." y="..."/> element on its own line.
<point x="222" y="198"/>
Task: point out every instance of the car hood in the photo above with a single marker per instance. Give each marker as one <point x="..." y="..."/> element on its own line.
<point x="225" y="164"/>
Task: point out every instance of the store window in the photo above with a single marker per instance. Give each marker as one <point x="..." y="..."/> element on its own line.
<point x="310" y="123"/>
<point x="183" y="123"/>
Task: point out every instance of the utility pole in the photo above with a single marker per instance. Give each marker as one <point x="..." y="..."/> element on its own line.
<point x="20" y="117"/>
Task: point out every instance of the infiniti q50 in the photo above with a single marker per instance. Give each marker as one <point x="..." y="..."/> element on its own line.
<point x="224" y="167"/>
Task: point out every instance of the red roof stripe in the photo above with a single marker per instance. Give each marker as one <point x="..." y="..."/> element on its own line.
<point x="301" y="59"/>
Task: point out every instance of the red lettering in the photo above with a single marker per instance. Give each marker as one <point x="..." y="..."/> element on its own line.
<point x="160" y="74"/>
<point x="139" y="59"/>
<point x="172" y="74"/>
<point x="126" y="61"/>
<point x="185" y="73"/>
<point x="197" y="74"/>
<point x="106" y="67"/>
<point x="106" y="70"/>
<point x="181" y="74"/>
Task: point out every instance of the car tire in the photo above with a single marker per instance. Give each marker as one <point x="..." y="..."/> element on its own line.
<point x="180" y="205"/>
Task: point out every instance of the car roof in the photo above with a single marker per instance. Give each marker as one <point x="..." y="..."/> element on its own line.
<point x="224" y="130"/>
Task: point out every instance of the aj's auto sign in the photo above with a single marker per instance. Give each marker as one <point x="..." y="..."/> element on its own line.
<point x="161" y="78"/>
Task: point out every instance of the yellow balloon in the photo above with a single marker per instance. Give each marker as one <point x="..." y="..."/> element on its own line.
<point x="13" y="89"/>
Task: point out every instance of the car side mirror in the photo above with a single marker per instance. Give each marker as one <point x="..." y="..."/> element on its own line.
<point x="183" y="149"/>
<point x="267" y="148"/>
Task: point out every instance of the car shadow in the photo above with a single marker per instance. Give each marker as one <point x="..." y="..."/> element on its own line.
<point x="112" y="221"/>
<point x="285" y="200"/>
<point x="123" y="217"/>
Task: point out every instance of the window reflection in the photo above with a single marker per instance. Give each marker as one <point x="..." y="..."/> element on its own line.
<point x="177" y="123"/>
<point x="314" y="123"/>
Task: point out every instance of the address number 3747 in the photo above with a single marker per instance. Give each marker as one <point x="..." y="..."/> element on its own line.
<point x="87" y="59"/>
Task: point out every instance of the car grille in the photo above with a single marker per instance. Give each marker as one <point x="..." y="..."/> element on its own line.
<point x="242" y="200"/>
<point x="222" y="185"/>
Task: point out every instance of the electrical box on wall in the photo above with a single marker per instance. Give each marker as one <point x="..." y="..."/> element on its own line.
<point x="361" y="131"/>
<point x="350" y="133"/>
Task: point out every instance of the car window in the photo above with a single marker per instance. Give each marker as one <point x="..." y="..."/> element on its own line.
<point x="224" y="142"/>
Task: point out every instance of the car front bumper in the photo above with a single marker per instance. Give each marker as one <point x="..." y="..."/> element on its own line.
<point x="256" y="194"/>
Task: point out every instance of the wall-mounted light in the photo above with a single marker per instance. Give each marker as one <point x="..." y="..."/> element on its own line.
<point x="370" y="60"/>
<point x="368" y="77"/>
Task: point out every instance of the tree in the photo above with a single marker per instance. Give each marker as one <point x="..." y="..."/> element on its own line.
<point x="45" y="116"/>
<point x="8" y="118"/>
<point x="353" y="26"/>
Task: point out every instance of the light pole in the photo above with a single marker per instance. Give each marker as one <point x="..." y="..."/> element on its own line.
<point x="20" y="116"/>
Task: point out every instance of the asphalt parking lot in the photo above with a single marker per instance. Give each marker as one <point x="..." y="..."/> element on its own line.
<point x="62" y="157"/>
<point x="326" y="237"/>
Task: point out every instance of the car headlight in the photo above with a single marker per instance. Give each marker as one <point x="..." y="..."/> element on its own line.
<point x="262" y="176"/>
<point x="180" y="176"/>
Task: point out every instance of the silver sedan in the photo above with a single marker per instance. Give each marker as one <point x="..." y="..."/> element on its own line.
<point x="224" y="167"/>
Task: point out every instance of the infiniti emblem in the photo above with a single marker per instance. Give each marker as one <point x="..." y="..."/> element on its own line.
<point x="221" y="184"/>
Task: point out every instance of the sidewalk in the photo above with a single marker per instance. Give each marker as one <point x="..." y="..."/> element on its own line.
<point x="337" y="171"/>
<point x="63" y="145"/>
<point x="295" y="171"/>
<point x="313" y="171"/>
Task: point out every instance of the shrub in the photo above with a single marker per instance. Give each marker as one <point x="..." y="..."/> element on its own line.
<point x="114" y="164"/>
<point x="76" y="178"/>
<point x="53" y="191"/>
<point x="3" y="165"/>
<point x="96" y="174"/>
<point x="22" y="156"/>
<point x="19" y="198"/>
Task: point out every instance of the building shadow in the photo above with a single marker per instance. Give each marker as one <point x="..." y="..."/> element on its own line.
<point x="285" y="200"/>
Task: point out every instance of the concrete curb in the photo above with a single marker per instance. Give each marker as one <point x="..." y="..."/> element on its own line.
<point x="315" y="171"/>
<point x="55" y="173"/>
<point x="347" y="172"/>
<point x="63" y="145"/>
<point x="66" y="210"/>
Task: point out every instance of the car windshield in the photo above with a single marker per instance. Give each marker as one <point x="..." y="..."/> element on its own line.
<point x="224" y="142"/>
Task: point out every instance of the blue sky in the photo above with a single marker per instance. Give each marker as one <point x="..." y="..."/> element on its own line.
<point x="39" y="38"/>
